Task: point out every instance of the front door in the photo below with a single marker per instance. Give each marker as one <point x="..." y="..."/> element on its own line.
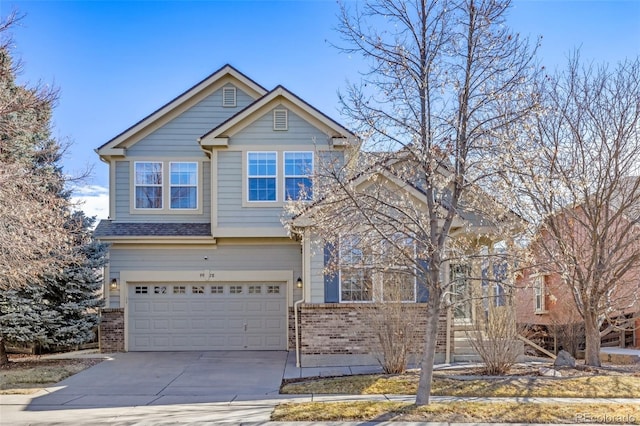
<point x="461" y="290"/>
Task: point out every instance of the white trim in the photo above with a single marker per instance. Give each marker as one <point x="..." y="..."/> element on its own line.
<point x="248" y="176"/>
<point x="197" y="186"/>
<point x="306" y="176"/>
<point x="166" y="208"/>
<point x="232" y="94"/>
<point x="279" y="96"/>
<point x="136" y="185"/>
<point x="180" y="104"/>
<point x="280" y="120"/>
<point x="539" y="291"/>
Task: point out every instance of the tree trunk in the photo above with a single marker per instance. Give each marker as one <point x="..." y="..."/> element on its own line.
<point x="4" y="359"/>
<point x="592" y="334"/>
<point x="429" y="356"/>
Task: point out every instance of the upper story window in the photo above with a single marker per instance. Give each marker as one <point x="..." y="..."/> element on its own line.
<point x="539" y="293"/>
<point x="298" y="168"/>
<point x="184" y="185"/>
<point x="148" y="185"/>
<point x="155" y="182"/>
<point x="262" y="176"/>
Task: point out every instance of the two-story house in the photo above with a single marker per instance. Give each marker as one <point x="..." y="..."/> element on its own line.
<point x="199" y="258"/>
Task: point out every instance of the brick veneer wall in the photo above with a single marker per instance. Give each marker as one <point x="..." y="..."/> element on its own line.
<point x="343" y="329"/>
<point x="111" y="330"/>
<point x="292" y="330"/>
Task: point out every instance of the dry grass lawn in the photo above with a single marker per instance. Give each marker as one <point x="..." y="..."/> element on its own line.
<point x="466" y="412"/>
<point x="29" y="375"/>
<point x="592" y="385"/>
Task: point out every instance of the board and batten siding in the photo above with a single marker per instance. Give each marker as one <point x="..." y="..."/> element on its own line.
<point x="179" y="137"/>
<point x="258" y="257"/>
<point x="123" y="198"/>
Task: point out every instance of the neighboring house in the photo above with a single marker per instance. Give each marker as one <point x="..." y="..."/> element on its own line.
<point x="542" y="298"/>
<point x="199" y="258"/>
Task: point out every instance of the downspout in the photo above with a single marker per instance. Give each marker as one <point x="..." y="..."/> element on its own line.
<point x="295" y="318"/>
<point x="447" y="350"/>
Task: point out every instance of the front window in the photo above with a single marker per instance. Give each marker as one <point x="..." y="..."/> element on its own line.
<point x="356" y="278"/>
<point x="184" y="185"/>
<point x="148" y="185"/>
<point x="298" y="167"/>
<point x="399" y="285"/>
<point x="399" y="278"/>
<point x="262" y="176"/>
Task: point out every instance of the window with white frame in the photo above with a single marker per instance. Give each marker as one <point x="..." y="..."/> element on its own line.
<point x="148" y="185"/>
<point x="356" y="277"/>
<point x="298" y="168"/>
<point x="262" y="176"/>
<point x="184" y="185"/>
<point x="539" y="294"/>
<point x="399" y="279"/>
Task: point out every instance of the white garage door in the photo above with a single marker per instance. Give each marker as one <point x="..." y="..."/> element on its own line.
<point x="220" y="316"/>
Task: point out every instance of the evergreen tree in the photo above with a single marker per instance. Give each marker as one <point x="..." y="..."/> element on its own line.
<point x="74" y="294"/>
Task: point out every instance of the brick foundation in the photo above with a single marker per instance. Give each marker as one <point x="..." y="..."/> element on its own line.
<point x="333" y="333"/>
<point x="111" y="330"/>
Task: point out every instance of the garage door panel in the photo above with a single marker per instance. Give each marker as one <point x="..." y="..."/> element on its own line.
<point x="207" y="317"/>
<point x="273" y="305"/>
<point x="273" y="324"/>
<point x="235" y="306"/>
<point x="200" y="307"/>
<point x="139" y="307"/>
<point x="199" y="324"/>
<point x="179" y="306"/>
<point x="161" y="325"/>
<point x="255" y="305"/>
<point x="140" y="325"/>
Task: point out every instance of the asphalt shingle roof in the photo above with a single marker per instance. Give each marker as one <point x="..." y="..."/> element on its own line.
<point x="108" y="228"/>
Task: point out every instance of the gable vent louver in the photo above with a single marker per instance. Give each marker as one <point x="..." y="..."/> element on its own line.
<point x="280" y="119"/>
<point x="229" y="97"/>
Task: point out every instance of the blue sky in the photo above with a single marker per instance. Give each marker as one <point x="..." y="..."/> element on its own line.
<point x="116" y="62"/>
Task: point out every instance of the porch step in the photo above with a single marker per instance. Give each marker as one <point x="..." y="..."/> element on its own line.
<point x="466" y="358"/>
<point x="463" y="350"/>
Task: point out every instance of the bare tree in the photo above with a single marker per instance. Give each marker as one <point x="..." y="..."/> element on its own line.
<point x="581" y="182"/>
<point x="36" y="234"/>
<point x="446" y="80"/>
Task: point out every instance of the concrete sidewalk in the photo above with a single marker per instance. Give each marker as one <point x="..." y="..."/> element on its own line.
<point x="194" y="388"/>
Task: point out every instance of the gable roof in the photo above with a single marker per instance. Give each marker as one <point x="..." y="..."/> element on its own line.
<point x="198" y="90"/>
<point x="278" y="95"/>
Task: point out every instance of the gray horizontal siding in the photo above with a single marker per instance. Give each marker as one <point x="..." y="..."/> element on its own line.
<point x="123" y="199"/>
<point x="230" y="210"/>
<point x="317" y="272"/>
<point x="223" y="258"/>
<point x="261" y="132"/>
<point x="178" y="138"/>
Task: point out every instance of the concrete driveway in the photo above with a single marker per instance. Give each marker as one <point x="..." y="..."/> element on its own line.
<point x="158" y="387"/>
